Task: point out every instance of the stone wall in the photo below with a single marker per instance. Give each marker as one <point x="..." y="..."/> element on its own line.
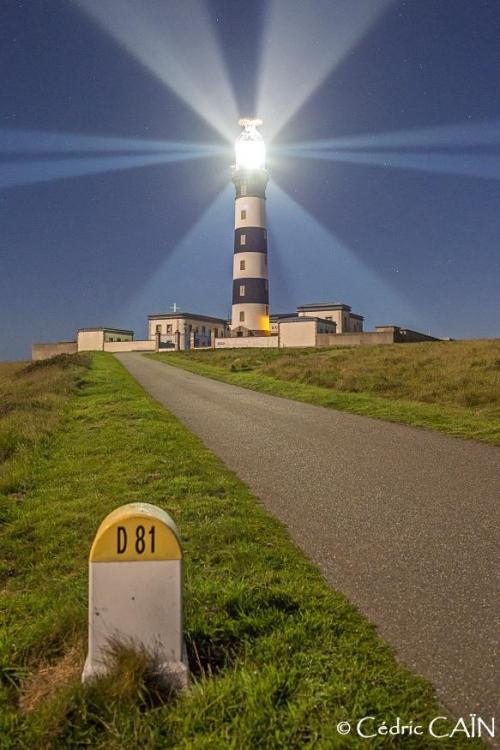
<point x="244" y="342"/>
<point x="407" y="336"/>
<point x="130" y="346"/>
<point x="381" y="335"/>
<point x="46" y="351"/>
<point x="355" y="339"/>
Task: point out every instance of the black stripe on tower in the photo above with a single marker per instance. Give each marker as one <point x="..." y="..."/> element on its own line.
<point x="254" y="290"/>
<point x="255" y="240"/>
<point x="250" y="183"/>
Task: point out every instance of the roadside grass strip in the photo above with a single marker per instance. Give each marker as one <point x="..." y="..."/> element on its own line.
<point x="31" y="399"/>
<point x="277" y="657"/>
<point x="294" y="374"/>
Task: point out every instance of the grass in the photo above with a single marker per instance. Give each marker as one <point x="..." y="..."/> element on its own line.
<point x="277" y="657"/>
<point x="453" y="386"/>
<point x="32" y="397"/>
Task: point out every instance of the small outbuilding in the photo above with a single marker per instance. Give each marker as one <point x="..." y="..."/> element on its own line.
<point x="93" y="339"/>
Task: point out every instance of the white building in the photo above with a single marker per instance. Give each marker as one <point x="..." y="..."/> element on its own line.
<point x="347" y="321"/>
<point x="184" y="330"/>
<point x="330" y="312"/>
<point x="94" y="339"/>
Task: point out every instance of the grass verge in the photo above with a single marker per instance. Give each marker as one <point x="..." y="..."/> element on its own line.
<point x="32" y="398"/>
<point x="453" y="387"/>
<point x="277" y="657"/>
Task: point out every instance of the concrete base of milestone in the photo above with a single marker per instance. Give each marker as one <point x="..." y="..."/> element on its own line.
<point x="173" y="675"/>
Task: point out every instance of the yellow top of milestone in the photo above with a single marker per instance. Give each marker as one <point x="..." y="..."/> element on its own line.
<point x="136" y="532"/>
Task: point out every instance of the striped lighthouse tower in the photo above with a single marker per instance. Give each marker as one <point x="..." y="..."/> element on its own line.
<point x="250" y="310"/>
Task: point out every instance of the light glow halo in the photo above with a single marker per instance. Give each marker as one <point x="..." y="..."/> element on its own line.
<point x="250" y="147"/>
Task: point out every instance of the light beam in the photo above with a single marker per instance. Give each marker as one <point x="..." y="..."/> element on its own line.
<point x="304" y="246"/>
<point x="484" y="166"/>
<point x="202" y="252"/>
<point x="174" y="41"/>
<point x="465" y="134"/>
<point x="303" y="42"/>
<point x="39" y="142"/>
<point x="17" y="173"/>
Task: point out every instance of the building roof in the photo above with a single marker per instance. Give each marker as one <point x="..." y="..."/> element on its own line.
<point x="325" y="306"/>
<point x="276" y="316"/>
<point x="305" y="318"/>
<point x="105" y="328"/>
<point x="184" y="315"/>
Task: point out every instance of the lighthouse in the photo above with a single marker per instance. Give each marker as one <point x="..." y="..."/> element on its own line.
<point x="250" y="309"/>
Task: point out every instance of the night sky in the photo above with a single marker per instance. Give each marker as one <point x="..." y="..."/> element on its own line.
<point x="412" y="246"/>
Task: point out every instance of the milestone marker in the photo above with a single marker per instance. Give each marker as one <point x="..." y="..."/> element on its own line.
<point x="135" y="591"/>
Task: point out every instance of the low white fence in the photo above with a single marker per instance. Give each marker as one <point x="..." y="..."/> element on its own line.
<point x="244" y="342"/>
<point x="130" y="346"/>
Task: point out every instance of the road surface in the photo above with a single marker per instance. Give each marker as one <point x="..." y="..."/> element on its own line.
<point x="403" y="521"/>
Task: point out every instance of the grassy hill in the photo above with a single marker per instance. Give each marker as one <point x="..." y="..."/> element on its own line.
<point x="449" y="386"/>
<point x="32" y="397"/>
<point x="277" y="657"/>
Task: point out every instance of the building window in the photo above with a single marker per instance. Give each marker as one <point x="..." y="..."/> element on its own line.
<point x="169" y="328"/>
<point x="243" y="239"/>
<point x="203" y="330"/>
<point x="242" y="317"/>
<point x="242" y="290"/>
<point x="243" y="190"/>
<point x="242" y="265"/>
<point x="158" y="329"/>
<point x="243" y="213"/>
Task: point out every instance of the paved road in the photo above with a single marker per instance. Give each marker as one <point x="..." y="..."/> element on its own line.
<point x="399" y="519"/>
